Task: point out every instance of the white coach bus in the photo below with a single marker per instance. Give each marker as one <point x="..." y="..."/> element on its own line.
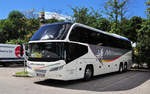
<point x="68" y="51"/>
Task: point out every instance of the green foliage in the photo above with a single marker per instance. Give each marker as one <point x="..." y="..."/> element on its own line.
<point x="143" y="37"/>
<point x="31" y="26"/>
<point x="17" y="41"/>
<point x="91" y="18"/>
<point x="102" y="24"/>
<point x="17" y="29"/>
<point x="116" y="10"/>
<point x="53" y="20"/>
<point x="15" y="15"/>
<point x="143" y="43"/>
<point x="13" y="27"/>
<point x="6" y="30"/>
<point x="148" y="9"/>
<point x="132" y="27"/>
<point x="80" y="14"/>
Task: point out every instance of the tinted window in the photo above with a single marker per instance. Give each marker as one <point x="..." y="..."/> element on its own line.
<point x="79" y="34"/>
<point x="110" y="41"/>
<point x="84" y="35"/>
<point x="46" y="51"/>
<point x="75" y="51"/>
<point x="52" y="32"/>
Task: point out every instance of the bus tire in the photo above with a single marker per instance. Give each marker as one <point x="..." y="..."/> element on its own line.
<point x="125" y="67"/>
<point x="88" y="72"/>
<point x="121" y="68"/>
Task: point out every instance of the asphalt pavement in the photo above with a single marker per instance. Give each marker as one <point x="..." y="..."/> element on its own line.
<point x="107" y="82"/>
<point x="135" y="82"/>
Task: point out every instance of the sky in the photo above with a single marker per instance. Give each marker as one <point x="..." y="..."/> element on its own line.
<point x="135" y="7"/>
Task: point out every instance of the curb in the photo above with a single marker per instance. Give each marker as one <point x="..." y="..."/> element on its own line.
<point x="21" y="76"/>
<point x="141" y="70"/>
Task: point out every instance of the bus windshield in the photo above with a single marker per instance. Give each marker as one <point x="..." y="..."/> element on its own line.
<point x="55" y="31"/>
<point x="45" y="51"/>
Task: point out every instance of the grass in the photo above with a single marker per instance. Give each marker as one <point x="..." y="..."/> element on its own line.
<point x="22" y="73"/>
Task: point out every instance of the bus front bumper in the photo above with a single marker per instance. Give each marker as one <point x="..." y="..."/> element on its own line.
<point x="58" y="75"/>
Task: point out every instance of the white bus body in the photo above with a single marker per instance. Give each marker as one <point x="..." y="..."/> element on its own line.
<point x="77" y="55"/>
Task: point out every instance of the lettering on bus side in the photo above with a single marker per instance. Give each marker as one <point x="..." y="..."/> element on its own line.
<point x="107" y="53"/>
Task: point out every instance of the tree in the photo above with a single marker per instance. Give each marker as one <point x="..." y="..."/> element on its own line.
<point x="124" y="28"/>
<point x="17" y="28"/>
<point x="132" y="27"/>
<point x="80" y="14"/>
<point x="91" y="18"/>
<point x="48" y="21"/>
<point x="102" y="24"/>
<point x="143" y="40"/>
<point x="148" y="9"/>
<point x="143" y="43"/>
<point x="8" y="30"/>
<point x="31" y="26"/>
<point x="85" y="16"/>
<point x="115" y="9"/>
<point x="15" y="15"/>
<point x="17" y="25"/>
<point x="4" y="28"/>
<point x="123" y="9"/>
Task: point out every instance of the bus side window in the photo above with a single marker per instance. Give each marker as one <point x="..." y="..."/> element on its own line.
<point x="74" y="35"/>
<point x="75" y="51"/>
<point x="80" y="34"/>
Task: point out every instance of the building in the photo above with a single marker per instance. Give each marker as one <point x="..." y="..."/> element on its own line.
<point x="50" y="15"/>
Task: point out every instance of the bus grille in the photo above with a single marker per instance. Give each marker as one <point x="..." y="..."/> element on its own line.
<point x="40" y="71"/>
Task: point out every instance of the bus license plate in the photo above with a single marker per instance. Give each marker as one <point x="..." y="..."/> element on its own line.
<point x="40" y="75"/>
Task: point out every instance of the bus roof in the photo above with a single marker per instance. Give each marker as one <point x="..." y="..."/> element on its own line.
<point x="88" y="27"/>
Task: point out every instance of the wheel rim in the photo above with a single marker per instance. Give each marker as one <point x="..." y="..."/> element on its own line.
<point x="88" y="73"/>
<point x="125" y="67"/>
<point x="121" y="68"/>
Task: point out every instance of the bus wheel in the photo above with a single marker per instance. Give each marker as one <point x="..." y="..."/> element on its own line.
<point x="125" y="67"/>
<point x="121" y="67"/>
<point x="88" y="73"/>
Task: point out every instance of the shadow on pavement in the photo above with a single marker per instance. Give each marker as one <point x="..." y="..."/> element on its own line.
<point x="13" y="66"/>
<point x="107" y="82"/>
